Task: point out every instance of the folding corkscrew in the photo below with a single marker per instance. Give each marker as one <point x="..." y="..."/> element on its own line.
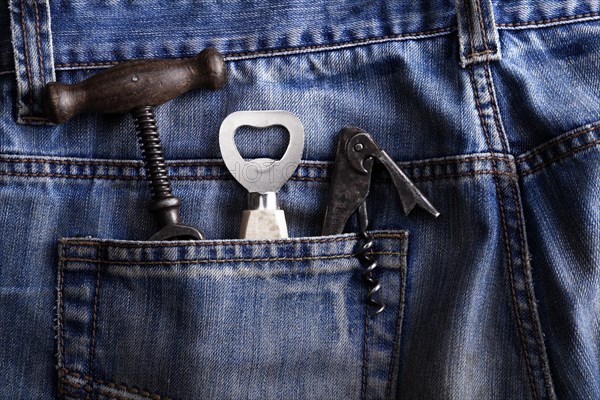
<point x="349" y="188"/>
<point x="351" y="180"/>
<point x="136" y="87"/>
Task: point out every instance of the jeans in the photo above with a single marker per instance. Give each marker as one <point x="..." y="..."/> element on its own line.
<point x="490" y="106"/>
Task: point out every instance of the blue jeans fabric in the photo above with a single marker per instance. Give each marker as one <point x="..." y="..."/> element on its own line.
<point x="491" y="107"/>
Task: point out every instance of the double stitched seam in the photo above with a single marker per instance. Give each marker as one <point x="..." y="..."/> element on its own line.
<point x="550" y="20"/>
<point x="94" y="317"/>
<point x="39" y="41"/>
<point x="505" y="238"/>
<point x="221" y="260"/>
<point x="395" y="359"/>
<point x="481" y="26"/>
<point x="553" y="143"/>
<point x="521" y="229"/>
<point x="61" y="310"/>
<point x="470" y="26"/>
<point x="218" y="163"/>
<point x="560" y="157"/>
<point x="111" y="385"/>
<point x="224" y="177"/>
<point x="363" y="377"/>
<point x="26" y="53"/>
<point x="276" y="51"/>
<point x="348" y="238"/>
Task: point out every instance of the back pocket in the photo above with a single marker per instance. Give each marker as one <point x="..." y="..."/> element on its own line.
<point x="228" y="319"/>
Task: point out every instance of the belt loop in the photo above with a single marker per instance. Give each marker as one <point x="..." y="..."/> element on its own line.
<point x="34" y="57"/>
<point x="477" y="32"/>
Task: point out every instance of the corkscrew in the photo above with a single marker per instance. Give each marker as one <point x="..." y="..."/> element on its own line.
<point x="136" y="87"/>
<point x="350" y="183"/>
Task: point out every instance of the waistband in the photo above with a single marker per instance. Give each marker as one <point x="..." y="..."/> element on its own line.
<point x="39" y="37"/>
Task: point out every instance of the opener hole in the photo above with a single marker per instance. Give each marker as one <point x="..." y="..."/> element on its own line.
<point x="269" y="142"/>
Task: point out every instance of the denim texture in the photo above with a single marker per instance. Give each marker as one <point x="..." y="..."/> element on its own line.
<point x="490" y="106"/>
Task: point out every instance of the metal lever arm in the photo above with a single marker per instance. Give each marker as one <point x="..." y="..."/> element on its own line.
<point x="133" y="84"/>
<point x="351" y="179"/>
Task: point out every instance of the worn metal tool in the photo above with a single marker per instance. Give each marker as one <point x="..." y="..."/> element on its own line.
<point x="136" y="87"/>
<point x="349" y="188"/>
<point x="262" y="177"/>
<point x="351" y="180"/>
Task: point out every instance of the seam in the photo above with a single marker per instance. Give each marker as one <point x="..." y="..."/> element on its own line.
<point x="39" y="44"/>
<point x="553" y="142"/>
<point x="35" y="119"/>
<point x="550" y="20"/>
<point x="286" y="50"/>
<point x="349" y="238"/>
<point x="220" y="163"/>
<point x="26" y="54"/>
<point x="110" y="385"/>
<point x="395" y="359"/>
<point x="480" y="53"/>
<point x="470" y="28"/>
<point x="560" y="157"/>
<point x="94" y="318"/>
<point x="481" y="26"/>
<point x="207" y="178"/>
<point x="223" y="260"/>
<point x="61" y="311"/>
<point x="520" y="227"/>
<point x="504" y="237"/>
<point x="363" y="372"/>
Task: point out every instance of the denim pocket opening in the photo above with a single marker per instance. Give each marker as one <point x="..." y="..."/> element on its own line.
<point x="227" y="319"/>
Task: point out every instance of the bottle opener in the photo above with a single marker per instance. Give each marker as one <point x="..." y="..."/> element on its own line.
<point x="262" y="177"/>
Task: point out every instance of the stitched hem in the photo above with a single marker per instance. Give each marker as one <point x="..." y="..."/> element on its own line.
<point x="550" y="21"/>
<point x="559" y="148"/>
<point x="127" y="244"/>
<point x="283" y="51"/>
<point x="505" y="239"/>
<point x="524" y="251"/>
<point x="199" y="170"/>
<point x="89" y="384"/>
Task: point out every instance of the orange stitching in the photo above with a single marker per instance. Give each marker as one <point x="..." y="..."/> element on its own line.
<point x="556" y="141"/>
<point x="521" y="229"/>
<point x="483" y="32"/>
<point x="39" y="45"/>
<point x="26" y="53"/>
<point x="278" y="50"/>
<point x="504" y="234"/>
<point x="544" y="21"/>
<point x="560" y="157"/>
<point x="469" y="25"/>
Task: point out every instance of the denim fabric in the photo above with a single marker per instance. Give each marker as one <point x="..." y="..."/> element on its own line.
<point x="490" y="106"/>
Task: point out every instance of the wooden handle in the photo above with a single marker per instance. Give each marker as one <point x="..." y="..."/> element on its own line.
<point x="132" y="84"/>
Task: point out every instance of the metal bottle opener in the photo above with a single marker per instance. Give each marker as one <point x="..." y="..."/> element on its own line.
<point x="262" y="177"/>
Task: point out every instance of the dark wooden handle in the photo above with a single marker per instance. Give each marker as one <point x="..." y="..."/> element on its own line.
<point x="132" y="84"/>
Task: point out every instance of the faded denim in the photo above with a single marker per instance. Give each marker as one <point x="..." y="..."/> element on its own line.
<point x="491" y="107"/>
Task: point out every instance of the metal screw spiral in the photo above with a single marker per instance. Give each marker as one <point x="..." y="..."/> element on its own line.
<point x="147" y="130"/>
<point x="365" y="255"/>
